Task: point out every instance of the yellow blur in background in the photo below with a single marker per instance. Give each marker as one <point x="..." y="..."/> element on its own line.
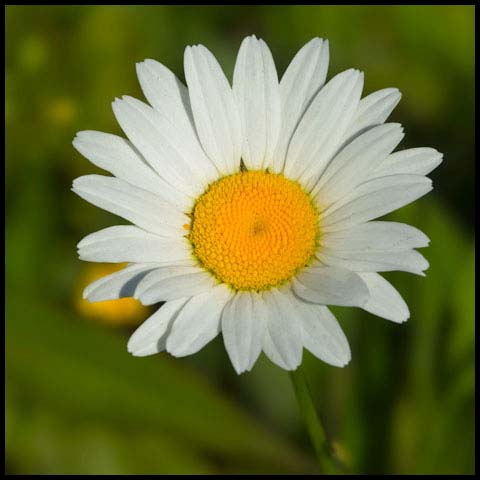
<point x="119" y="312"/>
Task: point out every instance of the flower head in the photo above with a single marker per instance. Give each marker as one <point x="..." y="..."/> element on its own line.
<point x="252" y="206"/>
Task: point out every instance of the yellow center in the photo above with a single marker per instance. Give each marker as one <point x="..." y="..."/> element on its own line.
<point x="254" y="230"/>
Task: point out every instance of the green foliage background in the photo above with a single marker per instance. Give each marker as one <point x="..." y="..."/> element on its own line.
<point x="76" y="402"/>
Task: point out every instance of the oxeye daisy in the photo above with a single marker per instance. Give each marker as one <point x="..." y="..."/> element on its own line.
<point x="253" y="205"/>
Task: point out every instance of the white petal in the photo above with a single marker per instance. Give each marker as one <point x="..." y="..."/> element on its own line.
<point x="119" y="157"/>
<point x="373" y="261"/>
<point x="214" y="109"/>
<point x="414" y="161"/>
<point x="167" y="94"/>
<point x="199" y="321"/>
<point x="373" y="110"/>
<point x="256" y="91"/>
<point x="322" y="335"/>
<point x="163" y="272"/>
<point x="175" y="284"/>
<point x="282" y="341"/>
<point x="384" y="300"/>
<point x="354" y="164"/>
<point x="272" y="353"/>
<point x="300" y="83"/>
<point x="375" y="236"/>
<point x="373" y="199"/>
<point x="119" y="284"/>
<point x="330" y="286"/>
<point x="322" y="127"/>
<point x="170" y="98"/>
<point x="242" y="332"/>
<point x="260" y="313"/>
<point x="125" y="243"/>
<point x="163" y="146"/>
<point x="138" y="206"/>
<point x="149" y="338"/>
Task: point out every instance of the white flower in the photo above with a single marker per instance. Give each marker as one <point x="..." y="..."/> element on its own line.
<point x="253" y="205"/>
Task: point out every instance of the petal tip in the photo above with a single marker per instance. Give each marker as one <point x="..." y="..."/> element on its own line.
<point x="132" y="351"/>
<point x="345" y="362"/>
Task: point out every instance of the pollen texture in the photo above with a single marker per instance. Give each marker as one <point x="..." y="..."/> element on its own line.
<point x="254" y="230"/>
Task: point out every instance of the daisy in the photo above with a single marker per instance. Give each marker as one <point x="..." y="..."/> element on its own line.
<point x="253" y="206"/>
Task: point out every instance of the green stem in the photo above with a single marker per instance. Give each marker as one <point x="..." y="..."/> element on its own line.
<point x="324" y="452"/>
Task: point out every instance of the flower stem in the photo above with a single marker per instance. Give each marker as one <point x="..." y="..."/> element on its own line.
<point x="324" y="452"/>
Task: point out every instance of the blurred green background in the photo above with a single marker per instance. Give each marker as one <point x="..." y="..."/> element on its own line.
<point x="77" y="402"/>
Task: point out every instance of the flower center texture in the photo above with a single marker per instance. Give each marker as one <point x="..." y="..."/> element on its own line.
<point x="254" y="230"/>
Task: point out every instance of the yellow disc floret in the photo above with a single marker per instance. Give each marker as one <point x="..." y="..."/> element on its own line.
<point x="254" y="230"/>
